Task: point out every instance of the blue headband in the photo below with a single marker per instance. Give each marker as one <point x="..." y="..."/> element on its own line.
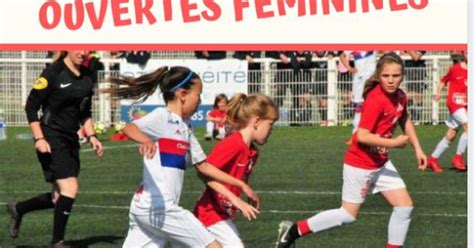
<point x="185" y="81"/>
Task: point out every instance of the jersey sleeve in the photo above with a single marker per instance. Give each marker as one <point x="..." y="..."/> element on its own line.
<point x="447" y="77"/>
<point x="85" y="108"/>
<point x="197" y="154"/>
<point x="223" y="153"/>
<point x="151" y="124"/>
<point x="42" y="88"/>
<point x="371" y="111"/>
<point x="212" y="113"/>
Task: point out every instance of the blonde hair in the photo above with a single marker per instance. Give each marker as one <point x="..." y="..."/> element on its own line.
<point x="241" y="108"/>
<point x="373" y="81"/>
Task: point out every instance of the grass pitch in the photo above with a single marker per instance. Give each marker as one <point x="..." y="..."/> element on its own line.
<point x="298" y="174"/>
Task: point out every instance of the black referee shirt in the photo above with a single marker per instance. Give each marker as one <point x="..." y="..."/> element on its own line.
<point x="64" y="98"/>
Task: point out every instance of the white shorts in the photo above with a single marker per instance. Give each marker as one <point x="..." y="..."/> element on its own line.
<point x="456" y="119"/>
<point x="177" y="226"/>
<point x="358" y="83"/>
<point x="358" y="182"/>
<point x="226" y="233"/>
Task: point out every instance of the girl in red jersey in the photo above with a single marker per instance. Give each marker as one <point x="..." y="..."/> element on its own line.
<point x="216" y="118"/>
<point x="366" y="164"/>
<point x="252" y="117"/>
<point x="457" y="106"/>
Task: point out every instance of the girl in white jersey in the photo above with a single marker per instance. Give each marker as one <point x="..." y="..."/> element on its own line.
<point x="169" y="147"/>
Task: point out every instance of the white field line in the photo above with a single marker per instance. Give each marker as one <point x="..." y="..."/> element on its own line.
<point x="110" y="147"/>
<point x="449" y="215"/>
<point x="263" y="192"/>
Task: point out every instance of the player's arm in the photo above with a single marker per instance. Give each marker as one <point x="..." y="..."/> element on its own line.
<point x="95" y="142"/>
<point x="250" y="212"/>
<point x="213" y="119"/>
<point x="364" y="136"/>
<point x="42" y="88"/>
<point x="371" y="112"/>
<point x="147" y="146"/>
<point x="210" y="173"/>
<point x="407" y="126"/>
<point x="344" y="59"/>
<point x="439" y="90"/>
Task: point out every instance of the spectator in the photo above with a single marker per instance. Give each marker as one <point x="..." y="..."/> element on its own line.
<point x="211" y="55"/>
<point x="92" y="62"/>
<point x="364" y="67"/>
<point x="138" y="57"/>
<point x="54" y="55"/>
<point x="281" y="75"/>
<point x="301" y="63"/>
<point x="321" y="82"/>
<point x="415" y="83"/>
<point x="344" y="85"/>
<point x="116" y="55"/>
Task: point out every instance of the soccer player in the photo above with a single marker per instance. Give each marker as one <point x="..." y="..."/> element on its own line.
<point x="366" y="164"/>
<point x="156" y="217"/>
<point x="252" y="118"/>
<point x="216" y="118"/>
<point x="364" y="66"/>
<point x="63" y="91"/>
<point x="456" y="78"/>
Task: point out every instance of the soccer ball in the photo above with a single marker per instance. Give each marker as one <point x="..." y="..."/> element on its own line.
<point x="100" y="128"/>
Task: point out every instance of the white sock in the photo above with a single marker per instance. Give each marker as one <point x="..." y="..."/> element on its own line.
<point x="398" y="225"/>
<point x="355" y="122"/>
<point x="462" y="144"/>
<point x="222" y="131"/>
<point x="329" y="219"/>
<point x="209" y="128"/>
<point x="440" y="148"/>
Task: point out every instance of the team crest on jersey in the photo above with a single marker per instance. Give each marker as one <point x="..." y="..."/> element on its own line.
<point x="40" y="83"/>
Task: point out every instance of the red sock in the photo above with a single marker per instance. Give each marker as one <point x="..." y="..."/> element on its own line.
<point x="303" y="227"/>
<point x="393" y="246"/>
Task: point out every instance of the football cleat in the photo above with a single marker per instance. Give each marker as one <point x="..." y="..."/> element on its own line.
<point x="458" y="162"/>
<point x="15" y="220"/>
<point x="283" y="235"/>
<point x="59" y="244"/>
<point x="434" y="165"/>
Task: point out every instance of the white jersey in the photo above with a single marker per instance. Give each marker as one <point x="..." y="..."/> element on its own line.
<point x="163" y="175"/>
<point x="364" y="61"/>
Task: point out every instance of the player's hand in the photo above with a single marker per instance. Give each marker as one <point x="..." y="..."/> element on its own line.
<point x="353" y="70"/>
<point x="97" y="146"/>
<point x="253" y="198"/>
<point x="437" y="98"/>
<point x="248" y="211"/>
<point x="43" y="146"/>
<point x="422" y="161"/>
<point x="147" y="149"/>
<point x="401" y="141"/>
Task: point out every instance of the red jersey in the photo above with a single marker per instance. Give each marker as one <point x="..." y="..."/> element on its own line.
<point x="456" y="78"/>
<point x="235" y="158"/>
<point x="217" y="113"/>
<point x="380" y="114"/>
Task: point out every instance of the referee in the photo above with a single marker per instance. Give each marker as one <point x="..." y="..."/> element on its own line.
<point x="63" y="91"/>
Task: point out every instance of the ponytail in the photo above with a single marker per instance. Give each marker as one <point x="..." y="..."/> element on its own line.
<point x="241" y="108"/>
<point x="168" y="79"/>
